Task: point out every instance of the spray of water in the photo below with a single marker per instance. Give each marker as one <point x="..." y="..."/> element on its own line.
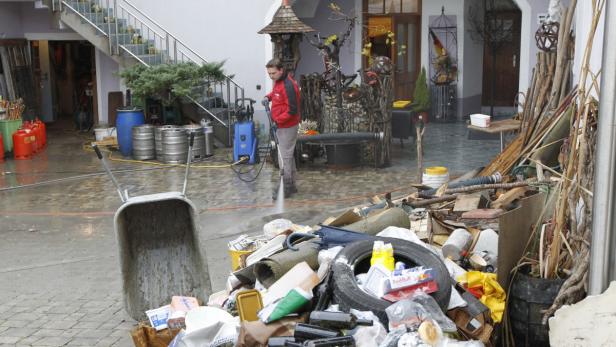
<point x="280" y="197"/>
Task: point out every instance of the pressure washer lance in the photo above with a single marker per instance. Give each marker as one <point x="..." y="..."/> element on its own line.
<point x="190" y="150"/>
<point x="123" y="193"/>
<point x="275" y="138"/>
<point x="280" y="196"/>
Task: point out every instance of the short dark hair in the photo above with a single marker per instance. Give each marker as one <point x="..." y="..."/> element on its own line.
<point x="275" y="63"/>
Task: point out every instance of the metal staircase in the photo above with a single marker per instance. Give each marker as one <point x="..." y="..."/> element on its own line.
<point x="128" y="35"/>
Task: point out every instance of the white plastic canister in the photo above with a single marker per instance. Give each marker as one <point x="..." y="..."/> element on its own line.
<point x="435" y="176"/>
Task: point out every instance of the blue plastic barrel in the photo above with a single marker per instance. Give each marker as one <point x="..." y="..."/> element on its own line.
<point x="125" y="122"/>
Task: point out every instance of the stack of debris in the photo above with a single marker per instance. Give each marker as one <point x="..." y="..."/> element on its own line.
<point x="435" y="266"/>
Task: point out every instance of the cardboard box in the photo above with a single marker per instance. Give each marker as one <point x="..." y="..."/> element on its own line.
<point x="515" y="227"/>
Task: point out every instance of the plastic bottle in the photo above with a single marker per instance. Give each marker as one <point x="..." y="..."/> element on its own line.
<point x="377" y="253"/>
<point x="388" y="257"/>
<point x="311" y="332"/>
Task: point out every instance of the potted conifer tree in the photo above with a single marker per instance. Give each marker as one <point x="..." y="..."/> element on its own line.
<point x="421" y="96"/>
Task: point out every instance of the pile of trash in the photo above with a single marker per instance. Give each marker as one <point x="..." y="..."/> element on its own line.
<point x="388" y="273"/>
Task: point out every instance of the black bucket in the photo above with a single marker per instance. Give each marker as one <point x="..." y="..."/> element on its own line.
<point x="528" y="298"/>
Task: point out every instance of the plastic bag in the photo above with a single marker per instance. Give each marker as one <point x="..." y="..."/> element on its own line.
<point x="368" y="336"/>
<point x="413" y="311"/>
<point x="276" y="227"/>
<point x="391" y="340"/>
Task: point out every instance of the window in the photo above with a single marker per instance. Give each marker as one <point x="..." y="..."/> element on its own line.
<point x="393" y="6"/>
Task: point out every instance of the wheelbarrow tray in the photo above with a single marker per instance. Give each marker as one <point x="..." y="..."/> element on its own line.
<point x="160" y="252"/>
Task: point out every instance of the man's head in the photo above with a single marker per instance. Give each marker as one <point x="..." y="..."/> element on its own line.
<point x="275" y="69"/>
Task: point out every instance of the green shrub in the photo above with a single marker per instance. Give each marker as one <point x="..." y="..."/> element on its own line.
<point x="168" y="82"/>
<point x="421" y="96"/>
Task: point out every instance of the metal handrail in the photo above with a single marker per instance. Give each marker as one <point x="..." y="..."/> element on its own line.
<point x="134" y="56"/>
<point x="86" y="19"/>
<point x="141" y="22"/>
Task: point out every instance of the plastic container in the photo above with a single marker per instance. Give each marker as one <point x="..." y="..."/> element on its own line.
<point x="401" y="103"/>
<point x="7" y="128"/>
<point x="435" y="176"/>
<point x="42" y="132"/>
<point x="480" y="120"/>
<point x="125" y="122"/>
<point x="249" y="303"/>
<point x="235" y="258"/>
<point x="32" y="129"/>
<point x="457" y="245"/>
<point x="101" y="133"/>
<point x="22" y="149"/>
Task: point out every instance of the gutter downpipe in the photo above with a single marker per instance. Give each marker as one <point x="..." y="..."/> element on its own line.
<point x="603" y="245"/>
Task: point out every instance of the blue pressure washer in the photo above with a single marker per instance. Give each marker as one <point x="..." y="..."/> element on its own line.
<point x="245" y="140"/>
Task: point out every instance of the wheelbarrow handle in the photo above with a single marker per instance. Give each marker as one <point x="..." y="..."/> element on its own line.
<point x="123" y="194"/>
<point x="191" y="142"/>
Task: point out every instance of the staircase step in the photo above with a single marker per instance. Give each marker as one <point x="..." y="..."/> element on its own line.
<point x="139" y="49"/>
<point x="122" y="39"/>
<point x="153" y="59"/>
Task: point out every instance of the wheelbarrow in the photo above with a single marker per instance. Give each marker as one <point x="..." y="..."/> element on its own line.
<point x="159" y="248"/>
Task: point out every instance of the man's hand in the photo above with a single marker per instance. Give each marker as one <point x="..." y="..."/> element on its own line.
<point x="265" y="101"/>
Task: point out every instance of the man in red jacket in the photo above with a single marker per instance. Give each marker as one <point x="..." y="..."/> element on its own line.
<point x="286" y="116"/>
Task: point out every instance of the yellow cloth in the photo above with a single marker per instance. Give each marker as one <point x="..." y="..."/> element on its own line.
<point x="494" y="296"/>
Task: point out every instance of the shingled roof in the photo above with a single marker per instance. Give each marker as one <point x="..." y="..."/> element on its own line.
<point x="285" y="21"/>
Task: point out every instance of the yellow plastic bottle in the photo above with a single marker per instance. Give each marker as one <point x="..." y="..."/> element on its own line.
<point x="377" y="253"/>
<point x="388" y="257"/>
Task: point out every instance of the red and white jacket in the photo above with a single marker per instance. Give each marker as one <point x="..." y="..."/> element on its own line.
<point x="285" y="102"/>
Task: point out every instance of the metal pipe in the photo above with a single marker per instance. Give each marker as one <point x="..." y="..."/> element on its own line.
<point x="229" y="140"/>
<point x="117" y="18"/>
<point x="108" y="17"/>
<point x="167" y="44"/>
<point x="602" y="256"/>
<point x="496" y="178"/>
<point x="341" y="138"/>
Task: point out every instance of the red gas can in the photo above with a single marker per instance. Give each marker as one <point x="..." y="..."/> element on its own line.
<point x="1" y="149"/>
<point x="30" y="128"/>
<point x="22" y="147"/>
<point x="42" y="133"/>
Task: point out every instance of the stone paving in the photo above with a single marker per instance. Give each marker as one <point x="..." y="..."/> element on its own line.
<point x="60" y="283"/>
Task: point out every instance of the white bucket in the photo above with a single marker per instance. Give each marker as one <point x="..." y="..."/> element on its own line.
<point x="101" y="133"/>
<point x="434" y="177"/>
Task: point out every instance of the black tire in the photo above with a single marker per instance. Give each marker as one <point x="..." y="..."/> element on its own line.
<point x="355" y="259"/>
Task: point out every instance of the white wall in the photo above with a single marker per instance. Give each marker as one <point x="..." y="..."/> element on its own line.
<point x="583" y="19"/>
<point x="221" y="30"/>
<point x="10" y="21"/>
<point x="106" y="81"/>
<point x="312" y="61"/>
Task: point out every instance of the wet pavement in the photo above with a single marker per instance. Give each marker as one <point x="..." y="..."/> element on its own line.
<point x="60" y="280"/>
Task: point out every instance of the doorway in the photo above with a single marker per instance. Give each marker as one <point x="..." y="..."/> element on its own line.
<point x="71" y="75"/>
<point x="501" y="62"/>
<point x="402" y="18"/>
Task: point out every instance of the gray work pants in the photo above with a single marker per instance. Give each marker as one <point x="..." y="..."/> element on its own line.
<point x="286" y="149"/>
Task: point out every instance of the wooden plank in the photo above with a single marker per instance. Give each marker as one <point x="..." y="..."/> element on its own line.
<point x="469" y="202"/>
<point x="499" y="126"/>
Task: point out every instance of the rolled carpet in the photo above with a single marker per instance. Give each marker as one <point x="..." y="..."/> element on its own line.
<point x="269" y="270"/>
<point x="374" y="224"/>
